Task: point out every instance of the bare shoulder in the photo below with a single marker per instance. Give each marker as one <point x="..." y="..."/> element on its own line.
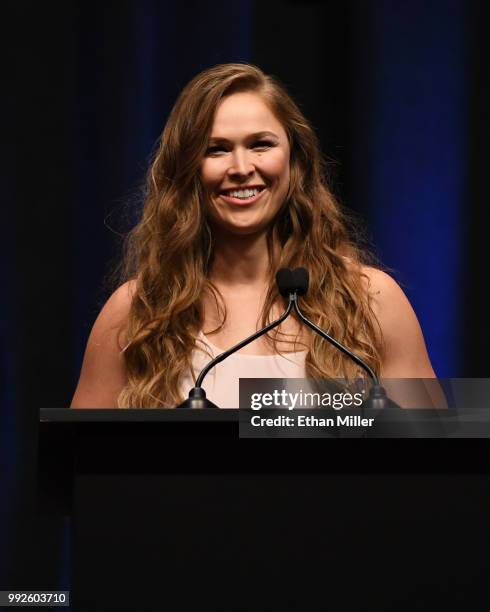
<point x="386" y="294"/>
<point x="405" y="352"/>
<point x="114" y="314"/>
<point x="103" y="374"/>
<point x="389" y="303"/>
<point x="119" y="302"/>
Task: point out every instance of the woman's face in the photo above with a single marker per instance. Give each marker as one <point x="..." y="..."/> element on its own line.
<point x="245" y="171"/>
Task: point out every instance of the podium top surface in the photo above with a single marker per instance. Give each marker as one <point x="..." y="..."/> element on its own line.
<point x="118" y="415"/>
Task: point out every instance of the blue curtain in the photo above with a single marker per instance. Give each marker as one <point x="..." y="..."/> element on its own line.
<point x="411" y="105"/>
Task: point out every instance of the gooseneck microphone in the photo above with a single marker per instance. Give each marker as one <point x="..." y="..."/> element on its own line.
<point x="286" y="285"/>
<point x="291" y="284"/>
<point x="300" y="279"/>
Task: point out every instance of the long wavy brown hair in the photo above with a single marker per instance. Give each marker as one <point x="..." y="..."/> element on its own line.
<point x="170" y="251"/>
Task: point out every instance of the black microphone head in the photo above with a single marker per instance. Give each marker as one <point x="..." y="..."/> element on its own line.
<point x="292" y="281"/>
<point x="284" y="280"/>
<point x="301" y="280"/>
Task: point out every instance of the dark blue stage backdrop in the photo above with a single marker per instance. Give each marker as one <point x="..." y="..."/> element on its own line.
<point x="411" y="150"/>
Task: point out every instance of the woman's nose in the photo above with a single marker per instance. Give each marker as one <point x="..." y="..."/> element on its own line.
<point x="241" y="163"/>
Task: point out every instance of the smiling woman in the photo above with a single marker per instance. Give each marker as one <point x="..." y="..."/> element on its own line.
<point x="237" y="190"/>
<point x="245" y="177"/>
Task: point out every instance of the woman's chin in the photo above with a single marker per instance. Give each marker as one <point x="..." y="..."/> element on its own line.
<point x="250" y="229"/>
<point x="239" y="229"/>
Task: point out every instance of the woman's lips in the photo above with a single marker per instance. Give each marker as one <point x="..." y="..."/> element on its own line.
<point x="239" y="202"/>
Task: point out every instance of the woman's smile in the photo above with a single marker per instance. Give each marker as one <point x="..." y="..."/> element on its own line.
<point x="243" y="197"/>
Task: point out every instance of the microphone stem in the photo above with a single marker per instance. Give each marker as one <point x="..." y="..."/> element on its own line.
<point x="241" y="344"/>
<point x="341" y="347"/>
<point x="293" y="301"/>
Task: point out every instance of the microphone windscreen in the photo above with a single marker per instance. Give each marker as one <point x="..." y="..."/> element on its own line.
<point x="301" y="280"/>
<point x="284" y="280"/>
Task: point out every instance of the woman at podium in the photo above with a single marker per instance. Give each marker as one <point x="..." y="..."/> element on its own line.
<point x="237" y="190"/>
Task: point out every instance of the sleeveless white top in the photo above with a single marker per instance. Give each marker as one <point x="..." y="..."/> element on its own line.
<point x="221" y="383"/>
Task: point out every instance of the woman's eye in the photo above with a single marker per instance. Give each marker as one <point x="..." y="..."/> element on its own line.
<point x="214" y="149"/>
<point x="261" y="144"/>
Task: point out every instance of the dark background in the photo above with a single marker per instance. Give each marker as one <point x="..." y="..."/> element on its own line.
<point x="397" y="91"/>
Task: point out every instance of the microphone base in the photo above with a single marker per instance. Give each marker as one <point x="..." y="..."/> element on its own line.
<point x="197" y="400"/>
<point x="378" y="400"/>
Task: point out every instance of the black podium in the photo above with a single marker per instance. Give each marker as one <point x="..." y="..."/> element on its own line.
<point x="172" y="511"/>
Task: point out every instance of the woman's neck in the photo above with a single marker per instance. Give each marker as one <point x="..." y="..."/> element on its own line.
<point x="240" y="261"/>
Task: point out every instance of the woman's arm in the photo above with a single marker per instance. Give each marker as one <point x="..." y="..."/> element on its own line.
<point x="405" y="354"/>
<point x="103" y="372"/>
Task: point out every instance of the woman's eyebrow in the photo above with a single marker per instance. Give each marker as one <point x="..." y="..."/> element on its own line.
<point x="249" y="137"/>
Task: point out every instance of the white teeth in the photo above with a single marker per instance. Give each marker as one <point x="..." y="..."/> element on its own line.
<point x="243" y="193"/>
